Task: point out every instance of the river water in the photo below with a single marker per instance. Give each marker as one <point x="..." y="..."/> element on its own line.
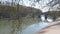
<point x="32" y="29"/>
<point x="5" y="27"/>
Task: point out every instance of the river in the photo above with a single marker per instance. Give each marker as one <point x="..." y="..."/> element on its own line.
<point x="5" y="27"/>
<point x="32" y="29"/>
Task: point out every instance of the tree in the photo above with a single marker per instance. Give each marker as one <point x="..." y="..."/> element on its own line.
<point x="53" y="4"/>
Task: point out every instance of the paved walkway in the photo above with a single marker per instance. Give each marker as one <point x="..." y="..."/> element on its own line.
<point x="52" y="28"/>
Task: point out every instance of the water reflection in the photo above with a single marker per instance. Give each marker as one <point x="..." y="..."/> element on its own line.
<point x="29" y="29"/>
<point x="35" y="27"/>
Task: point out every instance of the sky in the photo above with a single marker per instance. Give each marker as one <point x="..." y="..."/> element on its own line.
<point x="41" y="4"/>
